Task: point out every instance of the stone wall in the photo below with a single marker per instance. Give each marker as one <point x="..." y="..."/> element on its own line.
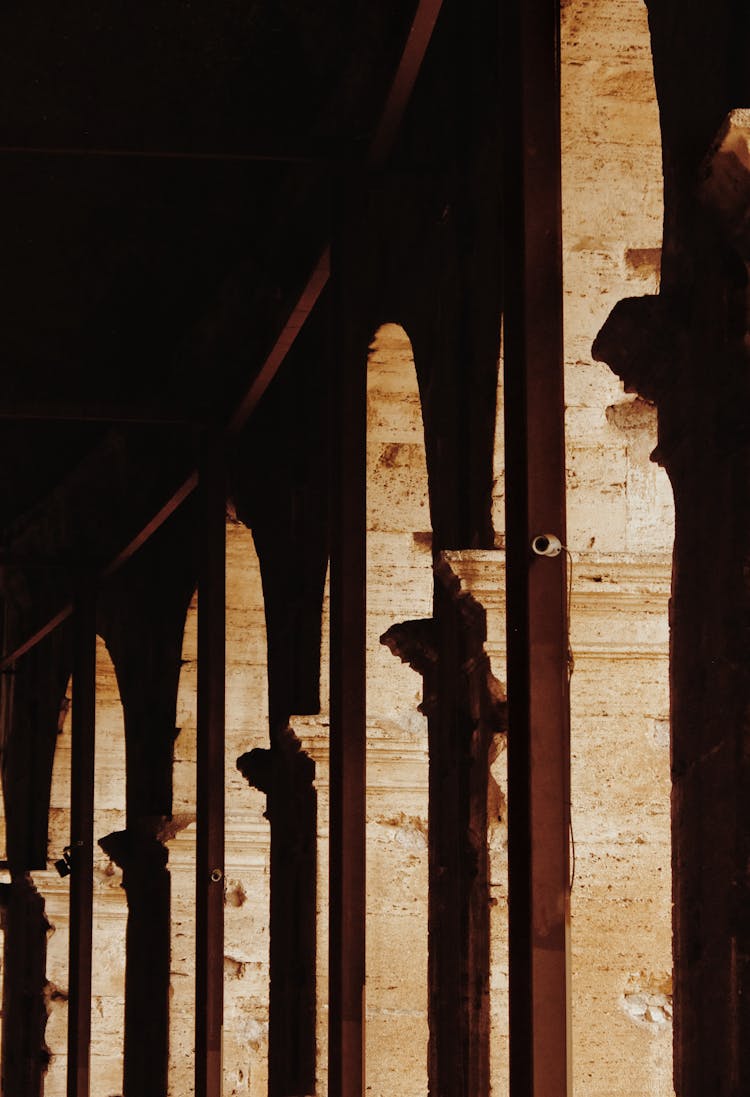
<point x="110" y="907"/>
<point x="620" y="530"/>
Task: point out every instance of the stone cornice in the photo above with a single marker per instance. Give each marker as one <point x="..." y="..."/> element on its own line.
<point x="597" y="577"/>
<point x="619" y="604"/>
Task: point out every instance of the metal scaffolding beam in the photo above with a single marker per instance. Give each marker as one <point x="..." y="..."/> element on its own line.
<point x="348" y="735"/>
<point x="81" y="842"/>
<point x="538" y="695"/>
<point x="209" y="894"/>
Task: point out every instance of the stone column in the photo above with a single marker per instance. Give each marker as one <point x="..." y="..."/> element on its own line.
<point x="141" y="617"/>
<point x="33" y="709"/>
<point x="286" y="774"/>
<point x="32" y="713"/>
<point x="143" y="860"/>
<point x="25" y="1053"/>
<point x="287" y="513"/>
<point x="687" y="350"/>
<point x="465" y="710"/>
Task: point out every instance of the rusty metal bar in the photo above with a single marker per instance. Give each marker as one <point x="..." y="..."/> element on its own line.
<point x="348" y="734"/>
<point x="35" y="638"/>
<point x="296" y="320"/>
<point x="81" y="842"/>
<point x="415" y="48"/>
<point x="209" y="894"/>
<point x="539" y="721"/>
<point x="185" y="489"/>
<point x="348" y="727"/>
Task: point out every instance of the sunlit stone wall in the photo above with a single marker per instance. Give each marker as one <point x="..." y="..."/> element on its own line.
<point x="246" y="910"/>
<point x="399" y="587"/>
<point x="108" y="969"/>
<point x="620" y="528"/>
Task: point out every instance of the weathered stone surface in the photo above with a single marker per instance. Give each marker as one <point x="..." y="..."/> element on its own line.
<point x="620" y="504"/>
<point x="621" y="896"/>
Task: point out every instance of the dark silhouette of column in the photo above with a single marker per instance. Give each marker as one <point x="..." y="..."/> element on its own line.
<point x="33" y="709"/>
<point x="286" y="774"/>
<point x="465" y="709"/>
<point x="25" y="1053"/>
<point x="142" y="617"/>
<point x="81" y="901"/>
<point x="143" y="860"/>
<point x="287" y="513"/>
<point x="685" y="349"/>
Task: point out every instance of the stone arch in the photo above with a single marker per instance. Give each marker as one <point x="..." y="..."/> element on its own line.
<point x="109" y="903"/>
<point x="443" y="640"/>
<point x="399" y="587"/>
<point x="247" y="891"/>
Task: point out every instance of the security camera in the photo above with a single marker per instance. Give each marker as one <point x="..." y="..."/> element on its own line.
<point x="546" y="544"/>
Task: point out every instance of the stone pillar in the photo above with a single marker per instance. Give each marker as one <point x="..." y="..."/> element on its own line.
<point x="710" y="651"/>
<point x="286" y="774"/>
<point x="140" y="852"/>
<point x="25" y="1053"/>
<point x="141" y="617"/>
<point x="465" y="710"/>
<point x="143" y="860"/>
<point x="32" y="713"/>
<point x="33" y="709"/>
<point x="687" y="350"/>
<point x="288" y="516"/>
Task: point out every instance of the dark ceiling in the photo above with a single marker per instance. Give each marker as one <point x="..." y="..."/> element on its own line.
<point x="149" y="286"/>
<point x="171" y="177"/>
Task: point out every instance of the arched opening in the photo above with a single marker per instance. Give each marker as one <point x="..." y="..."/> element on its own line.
<point x="109" y="905"/>
<point x="247" y="869"/>
<point x="399" y="588"/>
<point x="181" y="847"/>
<point x="247" y="881"/>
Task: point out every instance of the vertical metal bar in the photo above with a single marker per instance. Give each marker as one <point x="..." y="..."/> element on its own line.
<point x="209" y="936"/>
<point x="81" y="842"/>
<point x="539" y="719"/>
<point x="348" y="712"/>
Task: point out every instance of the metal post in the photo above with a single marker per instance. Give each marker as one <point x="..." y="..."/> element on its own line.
<point x="348" y="712"/>
<point x="81" y="842"/>
<point x="539" y="720"/>
<point x="209" y="938"/>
